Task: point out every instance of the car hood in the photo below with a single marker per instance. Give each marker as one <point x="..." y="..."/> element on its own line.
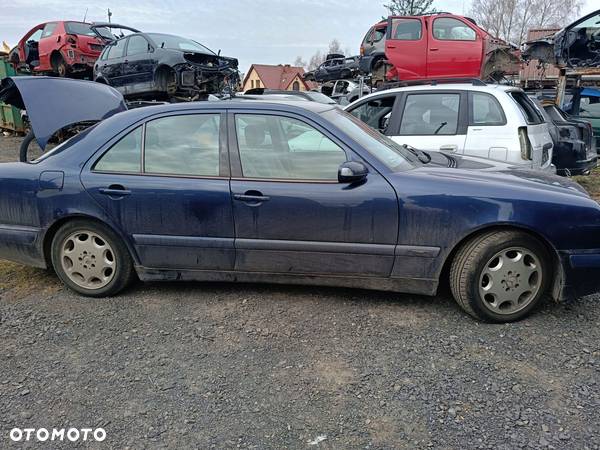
<point x="511" y="177"/>
<point x="55" y="103"/>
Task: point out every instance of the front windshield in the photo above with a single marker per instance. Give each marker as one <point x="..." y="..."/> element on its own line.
<point x="392" y="155"/>
<point x="178" y="43"/>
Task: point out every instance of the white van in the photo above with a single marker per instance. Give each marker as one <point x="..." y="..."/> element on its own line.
<point x="495" y="122"/>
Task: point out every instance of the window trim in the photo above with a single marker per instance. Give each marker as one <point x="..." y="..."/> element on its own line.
<point x="463" y="111"/>
<point x="224" y="164"/>
<point x="471" y="111"/>
<point x="237" y="173"/>
<point x="454" y="40"/>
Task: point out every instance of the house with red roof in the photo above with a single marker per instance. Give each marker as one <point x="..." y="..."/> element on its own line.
<point x="281" y="77"/>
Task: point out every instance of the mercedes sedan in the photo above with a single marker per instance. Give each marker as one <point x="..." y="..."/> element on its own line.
<point x="282" y="193"/>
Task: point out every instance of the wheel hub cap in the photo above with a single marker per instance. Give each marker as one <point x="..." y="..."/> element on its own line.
<point x="88" y="260"/>
<point x="510" y="280"/>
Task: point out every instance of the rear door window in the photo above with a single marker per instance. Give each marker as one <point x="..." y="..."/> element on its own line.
<point x="117" y="49"/>
<point x="124" y="156"/>
<point x="485" y="110"/>
<point x="406" y="29"/>
<point x="530" y="113"/>
<point x="183" y="145"/>
<point x="430" y="114"/>
<point x="449" y="29"/>
<point x="48" y="30"/>
<point x="137" y="45"/>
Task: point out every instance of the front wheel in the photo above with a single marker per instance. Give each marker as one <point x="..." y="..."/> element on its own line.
<point x="91" y="259"/>
<point x="500" y="276"/>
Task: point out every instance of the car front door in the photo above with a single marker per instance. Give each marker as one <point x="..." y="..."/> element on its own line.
<point x="138" y="66"/>
<point x="455" y="49"/>
<point x="291" y="214"/>
<point x="435" y="121"/>
<point x="165" y="184"/>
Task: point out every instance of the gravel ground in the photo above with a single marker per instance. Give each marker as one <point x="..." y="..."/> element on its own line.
<point x="257" y="366"/>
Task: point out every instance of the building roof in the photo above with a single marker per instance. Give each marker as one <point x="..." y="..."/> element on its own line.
<point x="278" y="77"/>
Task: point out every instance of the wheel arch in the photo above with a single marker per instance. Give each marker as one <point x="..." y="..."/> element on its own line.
<point x="54" y="57"/>
<point x="57" y="224"/>
<point x="444" y="273"/>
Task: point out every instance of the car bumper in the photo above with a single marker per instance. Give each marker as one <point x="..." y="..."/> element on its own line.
<point x="22" y="244"/>
<point x="581" y="273"/>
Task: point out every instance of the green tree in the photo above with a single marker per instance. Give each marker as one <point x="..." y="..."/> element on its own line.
<point x="410" y="7"/>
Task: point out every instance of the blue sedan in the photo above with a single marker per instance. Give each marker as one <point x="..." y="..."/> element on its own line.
<point x="282" y="193"/>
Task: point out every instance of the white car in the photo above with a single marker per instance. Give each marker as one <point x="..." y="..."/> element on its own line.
<point x="495" y="122"/>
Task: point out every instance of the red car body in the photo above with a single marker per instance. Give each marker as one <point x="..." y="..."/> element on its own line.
<point x="442" y="46"/>
<point x="59" y="47"/>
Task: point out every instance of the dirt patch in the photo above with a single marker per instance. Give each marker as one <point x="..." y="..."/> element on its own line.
<point x="17" y="281"/>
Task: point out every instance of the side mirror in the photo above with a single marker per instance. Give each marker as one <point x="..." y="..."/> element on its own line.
<point x="352" y="172"/>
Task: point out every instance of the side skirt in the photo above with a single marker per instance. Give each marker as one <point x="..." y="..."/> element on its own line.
<point x="421" y="286"/>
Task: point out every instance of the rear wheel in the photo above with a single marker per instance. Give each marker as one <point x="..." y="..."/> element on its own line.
<point x="500" y="276"/>
<point x="60" y="66"/>
<point x="91" y="259"/>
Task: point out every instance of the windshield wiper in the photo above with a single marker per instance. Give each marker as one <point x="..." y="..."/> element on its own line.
<point x="422" y="156"/>
<point x="442" y="125"/>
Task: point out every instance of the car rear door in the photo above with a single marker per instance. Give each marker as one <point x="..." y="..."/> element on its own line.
<point x="165" y="184"/>
<point x="291" y="214"/>
<point x="405" y="47"/>
<point x="111" y="68"/>
<point x="431" y="120"/>
<point x="138" y="66"/>
<point x="488" y="135"/>
<point x="455" y="49"/>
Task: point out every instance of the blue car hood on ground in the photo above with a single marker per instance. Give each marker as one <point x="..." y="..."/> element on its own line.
<point x="54" y="103"/>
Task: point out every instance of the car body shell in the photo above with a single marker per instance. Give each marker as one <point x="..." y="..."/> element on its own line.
<point x="573" y="46"/>
<point x="423" y="55"/>
<point x="334" y="69"/>
<point x="499" y="142"/>
<point x="164" y="72"/>
<point x="79" y="51"/>
<point x="393" y="231"/>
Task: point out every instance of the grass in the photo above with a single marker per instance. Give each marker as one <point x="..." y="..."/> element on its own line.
<point x="591" y="183"/>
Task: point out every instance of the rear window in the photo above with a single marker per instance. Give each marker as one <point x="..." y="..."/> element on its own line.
<point x="530" y="112"/>
<point x="79" y="28"/>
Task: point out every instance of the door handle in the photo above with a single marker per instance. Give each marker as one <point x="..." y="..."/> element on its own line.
<point x="433" y="49"/>
<point x="254" y="197"/>
<point x="391" y="46"/>
<point x="115" y="190"/>
<point x="449" y="148"/>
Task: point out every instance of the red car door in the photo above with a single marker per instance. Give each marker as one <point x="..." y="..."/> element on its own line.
<point x="405" y="47"/>
<point x="455" y="48"/>
<point x="47" y="43"/>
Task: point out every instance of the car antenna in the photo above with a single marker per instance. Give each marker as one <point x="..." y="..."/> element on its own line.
<point x="85" y="15"/>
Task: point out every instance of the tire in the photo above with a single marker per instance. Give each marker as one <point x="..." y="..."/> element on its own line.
<point x="60" y="67"/>
<point x="24" y="148"/>
<point x="500" y="276"/>
<point x="95" y="270"/>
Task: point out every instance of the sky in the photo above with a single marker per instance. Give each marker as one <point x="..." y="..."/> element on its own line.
<point x="254" y="31"/>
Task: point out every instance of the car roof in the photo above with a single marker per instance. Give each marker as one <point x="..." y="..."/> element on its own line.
<point x="281" y="105"/>
<point x="490" y="88"/>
